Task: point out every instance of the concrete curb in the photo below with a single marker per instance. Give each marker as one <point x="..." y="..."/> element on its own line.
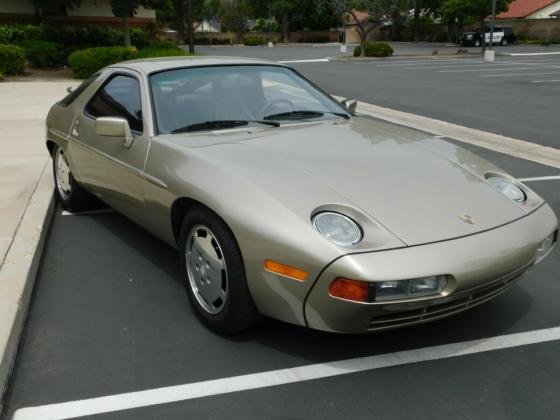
<point x="514" y="147"/>
<point x="18" y="272"/>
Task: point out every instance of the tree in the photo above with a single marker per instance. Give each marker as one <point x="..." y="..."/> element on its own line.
<point x="283" y="11"/>
<point x="233" y="15"/>
<point x="374" y="9"/>
<point x="477" y="9"/>
<point x="126" y="9"/>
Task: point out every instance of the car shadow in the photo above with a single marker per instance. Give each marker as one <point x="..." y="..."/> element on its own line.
<point x="498" y="317"/>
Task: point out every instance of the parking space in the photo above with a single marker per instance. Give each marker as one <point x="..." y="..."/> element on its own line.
<point x="516" y="96"/>
<point x="110" y="317"/>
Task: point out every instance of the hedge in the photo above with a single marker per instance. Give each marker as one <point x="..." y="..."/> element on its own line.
<point x="84" y="63"/>
<point x="374" y="49"/>
<point x="12" y="59"/>
<point x="253" y="41"/>
<point x="44" y="54"/>
<point x="11" y="34"/>
<point x="78" y="36"/>
<point x="154" y="52"/>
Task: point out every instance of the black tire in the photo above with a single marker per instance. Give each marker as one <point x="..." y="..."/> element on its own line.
<point x="503" y="42"/>
<point x="477" y="43"/>
<point x="238" y="312"/>
<point x="76" y="198"/>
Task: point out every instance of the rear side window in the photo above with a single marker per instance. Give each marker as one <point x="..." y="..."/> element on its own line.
<point x="71" y="97"/>
<point x="120" y="97"/>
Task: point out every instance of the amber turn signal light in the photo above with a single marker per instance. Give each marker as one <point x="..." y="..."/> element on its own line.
<point x="358" y="291"/>
<point x="285" y="270"/>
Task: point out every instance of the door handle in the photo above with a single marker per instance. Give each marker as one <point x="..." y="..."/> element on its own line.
<point x="75" y="130"/>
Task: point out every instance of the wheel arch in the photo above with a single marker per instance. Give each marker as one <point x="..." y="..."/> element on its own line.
<point x="50" y="146"/>
<point x="180" y="207"/>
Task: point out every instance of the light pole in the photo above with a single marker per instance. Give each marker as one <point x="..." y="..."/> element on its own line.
<point x="492" y="23"/>
<point x="490" y="54"/>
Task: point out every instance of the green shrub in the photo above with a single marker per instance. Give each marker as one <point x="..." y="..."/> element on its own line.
<point x="163" y="43"/>
<point x="44" y="54"/>
<point x="154" y="52"/>
<point x="253" y="40"/>
<point x="545" y="42"/>
<point x="374" y="49"/>
<point x="12" y="59"/>
<point x="86" y="62"/>
<point x="220" y="41"/>
<point x="11" y="34"/>
<point x="139" y="38"/>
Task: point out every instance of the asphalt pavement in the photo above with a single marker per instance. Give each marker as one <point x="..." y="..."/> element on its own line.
<point x="110" y="316"/>
<point x="516" y="96"/>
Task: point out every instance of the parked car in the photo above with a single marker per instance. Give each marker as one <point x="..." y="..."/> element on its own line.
<point x="502" y="35"/>
<point x="282" y="202"/>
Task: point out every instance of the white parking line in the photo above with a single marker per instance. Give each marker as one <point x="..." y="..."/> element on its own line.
<point x="157" y="396"/>
<point x="517" y="74"/>
<point x="486" y="69"/>
<point x="535" y="54"/>
<point x="85" y="213"/>
<point x="314" y="60"/>
<point x="539" y="178"/>
<point x="545" y="81"/>
<point x="544" y="64"/>
<point x="428" y="61"/>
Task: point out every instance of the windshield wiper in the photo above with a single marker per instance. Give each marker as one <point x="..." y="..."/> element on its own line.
<point x="305" y="114"/>
<point x="220" y="124"/>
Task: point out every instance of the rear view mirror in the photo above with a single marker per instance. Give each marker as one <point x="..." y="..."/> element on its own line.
<point x="114" y="127"/>
<point x="350" y="104"/>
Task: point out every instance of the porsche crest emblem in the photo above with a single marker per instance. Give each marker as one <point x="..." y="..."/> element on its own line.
<point x="467" y="219"/>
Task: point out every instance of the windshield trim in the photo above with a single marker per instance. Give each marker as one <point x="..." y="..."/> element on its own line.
<point x="155" y="72"/>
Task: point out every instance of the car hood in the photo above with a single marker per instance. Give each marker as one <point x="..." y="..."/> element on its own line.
<point x="417" y="187"/>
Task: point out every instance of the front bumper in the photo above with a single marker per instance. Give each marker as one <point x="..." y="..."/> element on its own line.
<point x="480" y="267"/>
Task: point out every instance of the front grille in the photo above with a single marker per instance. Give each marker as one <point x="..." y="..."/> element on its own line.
<point x="463" y="301"/>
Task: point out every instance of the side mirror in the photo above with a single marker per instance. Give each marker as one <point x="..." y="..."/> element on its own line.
<point x="350" y="104"/>
<point x="114" y="127"/>
<point x="70" y="89"/>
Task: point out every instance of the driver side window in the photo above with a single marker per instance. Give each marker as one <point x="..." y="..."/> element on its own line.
<point x="120" y="97"/>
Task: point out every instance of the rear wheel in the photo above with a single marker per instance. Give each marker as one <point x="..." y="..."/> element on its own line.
<point x="214" y="273"/>
<point x="477" y="43"/>
<point x="503" y="42"/>
<point x="71" y="195"/>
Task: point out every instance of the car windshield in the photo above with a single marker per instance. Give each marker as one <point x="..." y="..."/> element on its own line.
<point x="220" y="97"/>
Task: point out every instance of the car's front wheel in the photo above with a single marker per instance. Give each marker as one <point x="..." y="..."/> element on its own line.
<point x="503" y="42"/>
<point x="214" y="273"/>
<point x="70" y="194"/>
<point x="477" y="43"/>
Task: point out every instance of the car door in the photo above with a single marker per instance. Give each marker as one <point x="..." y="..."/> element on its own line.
<point x="108" y="167"/>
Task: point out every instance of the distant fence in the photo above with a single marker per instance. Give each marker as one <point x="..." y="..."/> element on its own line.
<point x="296" y="36"/>
<point x="533" y="28"/>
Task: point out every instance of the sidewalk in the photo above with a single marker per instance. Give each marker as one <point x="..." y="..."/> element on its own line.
<point x="26" y="192"/>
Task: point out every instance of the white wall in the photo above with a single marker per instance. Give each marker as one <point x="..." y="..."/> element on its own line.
<point x="87" y="8"/>
<point x="545" y="13"/>
<point x="16" y="6"/>
<point x="103" y="8"/>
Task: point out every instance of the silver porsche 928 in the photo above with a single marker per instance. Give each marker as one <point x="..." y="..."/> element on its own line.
<point x="282" y="202"/>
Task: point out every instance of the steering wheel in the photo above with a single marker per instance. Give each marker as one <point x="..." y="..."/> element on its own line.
<point x="274" y="102"/>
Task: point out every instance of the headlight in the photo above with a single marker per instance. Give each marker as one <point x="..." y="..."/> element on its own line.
<point x="382" y="291"/>
<point x="507" y="188"/>
<point x="338" y="228"/>
<point x="407" y="289"/>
